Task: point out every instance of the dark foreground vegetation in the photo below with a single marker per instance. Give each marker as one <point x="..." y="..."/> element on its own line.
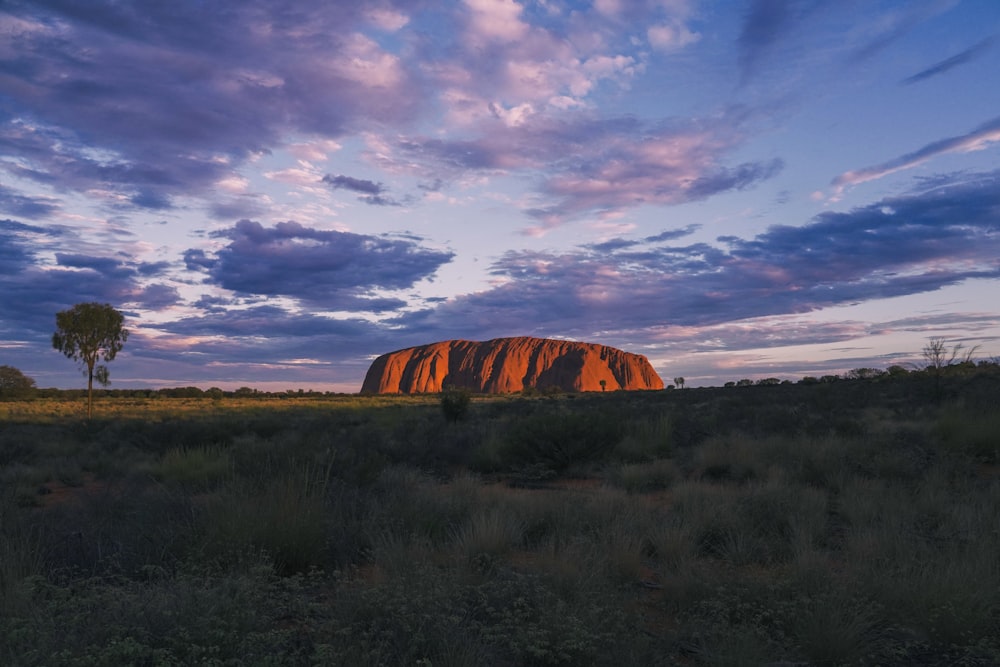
<point x="854" y="522"/>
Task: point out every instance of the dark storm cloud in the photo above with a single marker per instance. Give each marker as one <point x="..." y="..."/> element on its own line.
<point x="335" y="270"/>
<point x="898" y="246"/>
<point x="143" y="99"/>
<point x="954" y="61"/>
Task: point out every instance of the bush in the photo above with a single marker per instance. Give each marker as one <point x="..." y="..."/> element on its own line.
<point x="455" y="404"/>
<point x="196" y="467"/>
<point x="558" y="439"/>
<point x="14" y="384"/>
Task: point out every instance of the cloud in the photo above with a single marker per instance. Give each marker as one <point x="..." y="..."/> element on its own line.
<point x="512" y="60"/>
<point x="330" y="269"/>
<point x="898" y="246"/>
<point x="372" y="193"/>
<point x="25" y="206"/>
<point x="896" y="23"/>
<point x="149" y="102"/>
<point x="603" y="164"/>
<point x="670" y="37"/>
<point x="977" y="139"/>
<point x="354" y="184"/>
<point x="671" y="234"/>
<point x="34" y="289"/>
<point x="225" y="345"/>
<point x="767" y="24"/>
<point x="968" y="55"/>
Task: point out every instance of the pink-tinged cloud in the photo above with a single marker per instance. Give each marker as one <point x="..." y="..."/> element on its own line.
<point x="899" y="246"/>
<point x="175" y="97"/>
<point x="671" y="37"/>
<point x="494" y="21"/>
<point x="596" y="165"/>
<point x="978" y="139"/>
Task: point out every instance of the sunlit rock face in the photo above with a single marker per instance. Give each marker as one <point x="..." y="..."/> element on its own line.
<point x="509" y="365"/>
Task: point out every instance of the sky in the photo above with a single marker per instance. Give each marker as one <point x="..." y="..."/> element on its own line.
<point x="275" y="192"/>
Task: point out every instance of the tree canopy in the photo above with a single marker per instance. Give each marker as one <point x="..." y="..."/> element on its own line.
<point x="88" y="332"/>
<point x="14" y="383"/>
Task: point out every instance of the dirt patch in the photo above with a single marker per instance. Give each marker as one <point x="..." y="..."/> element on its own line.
<point x="55" y="493"/>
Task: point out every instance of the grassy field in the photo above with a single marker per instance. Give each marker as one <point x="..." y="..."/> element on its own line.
<point x="841" y="523"/>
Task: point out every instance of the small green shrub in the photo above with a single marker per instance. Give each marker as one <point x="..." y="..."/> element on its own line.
<point x="489" y="532"/>
<point x="455" y="404"/>
<point x="194" y="467"/>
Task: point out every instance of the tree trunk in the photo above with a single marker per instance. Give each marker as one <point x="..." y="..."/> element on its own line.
<point x="90" y="391"/>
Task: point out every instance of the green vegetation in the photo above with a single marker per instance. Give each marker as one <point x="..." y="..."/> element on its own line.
<point x="14" y="384"/>
<point x="848" y="522"/>
<point x="89" y="332"/>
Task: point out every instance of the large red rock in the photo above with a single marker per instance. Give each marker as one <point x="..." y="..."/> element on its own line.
<point x="509" y="365"/>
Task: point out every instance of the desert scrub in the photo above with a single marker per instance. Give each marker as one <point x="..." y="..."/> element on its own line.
<point x="559" y="438"/>
<point x="488" y="532"/>
<point x="646" y="438"/>
<point x="284" y="520"/>
<point x="968" y="433"/>
<point x="780" y="623"/>
<point x="654" y="475"/>
<point x="733" y="458"/>
<point x="197" y="468"/>
<point x="188" y="618"/>
<point x="20" y="557"/>
<point x="504" y="617"/>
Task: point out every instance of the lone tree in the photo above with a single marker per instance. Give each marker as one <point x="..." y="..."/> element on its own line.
<point x="14" y="383"/>
<point x="939" y="359"/>
<point x="86" y="332"/>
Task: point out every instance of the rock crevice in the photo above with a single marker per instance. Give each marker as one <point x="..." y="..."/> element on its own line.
<point x="505" y="365"/>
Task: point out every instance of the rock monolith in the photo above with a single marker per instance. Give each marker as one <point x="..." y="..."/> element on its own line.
<point x="504" y="365"/>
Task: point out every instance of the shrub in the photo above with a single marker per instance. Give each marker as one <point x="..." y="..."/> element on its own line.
<point x="558" y="439"/>
<point x="489" y="533"/>
<point x="284" y="520"/>
<point x="455" y="404"/>
<point x="194" y="467"/>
